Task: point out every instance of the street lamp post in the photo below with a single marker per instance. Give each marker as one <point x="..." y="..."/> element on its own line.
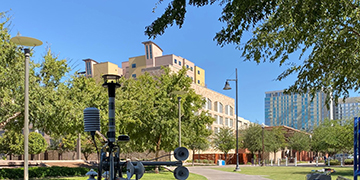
<point x="179" y="106"/>
<point x="263" y="146"/>
<point x="227" y="87"/>
<point x="179" y="93"/>
<point x="31" y="42"/>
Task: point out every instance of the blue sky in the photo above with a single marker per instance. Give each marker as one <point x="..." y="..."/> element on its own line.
<point x="112" y="30"/>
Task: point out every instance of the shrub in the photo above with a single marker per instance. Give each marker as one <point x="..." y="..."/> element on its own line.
<point x="41" y="172"/>
<point x="333" y="162"/>
<point x="348" y="161"/>
<point x="205" y="161"/>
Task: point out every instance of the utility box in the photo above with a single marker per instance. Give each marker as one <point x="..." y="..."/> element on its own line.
<point x="318" y="176"/>
<point x="221" y="163"/>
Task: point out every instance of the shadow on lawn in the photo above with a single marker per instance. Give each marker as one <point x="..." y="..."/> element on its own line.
<point x="338" y="172"/>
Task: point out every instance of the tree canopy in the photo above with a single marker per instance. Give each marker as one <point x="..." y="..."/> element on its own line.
<point x="323" y="34"/>
<point x="224" y="140"/>
<point x="147" y="110"/>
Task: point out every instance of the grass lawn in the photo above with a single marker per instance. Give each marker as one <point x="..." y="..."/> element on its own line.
<point x="147" y="176"/>
<point x="289" y="172"/>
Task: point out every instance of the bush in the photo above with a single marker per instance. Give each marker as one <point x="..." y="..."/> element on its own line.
<point x="205" y="161"/>
<point x="333" y="162"/>
<point x="348" y="161"/>
<point x="41" y="172"/>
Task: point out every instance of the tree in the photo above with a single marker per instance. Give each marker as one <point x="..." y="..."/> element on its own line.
<point x="88" y="147"/>
<point x="275" y="140"/>
<point x="224" y="140"/>
<point x="63" y="144"/>
<point x="299" y="142"/>
<point x="37" y="143"/>
<point x="251" y="137"/>
<point x="12" y="77"/>
<point x="146" y="107"/>
<point x="197" y="137"/>
<point x="323" y="34"/>
<point x="12" y="143"/>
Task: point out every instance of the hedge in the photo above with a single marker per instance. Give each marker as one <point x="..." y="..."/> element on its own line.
<point x="41" y="172"/>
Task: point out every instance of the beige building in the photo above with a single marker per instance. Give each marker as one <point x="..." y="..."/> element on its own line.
<point x="219" y="106"/>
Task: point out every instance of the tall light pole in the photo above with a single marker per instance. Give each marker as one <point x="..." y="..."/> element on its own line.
<point x="227" y="87"/>
<point x="30" y="42"/>
<point x="263" y="146"/>
<point x="179" y="107"/>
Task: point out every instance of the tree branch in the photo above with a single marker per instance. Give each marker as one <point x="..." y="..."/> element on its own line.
<point x="2" y="125"/>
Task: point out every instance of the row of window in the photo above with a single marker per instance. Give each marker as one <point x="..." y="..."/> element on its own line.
<point x="187" y="66"/>
<point x="218" y="107"/>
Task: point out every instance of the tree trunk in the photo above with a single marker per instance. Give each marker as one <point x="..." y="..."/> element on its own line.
<point x="46" y="155"/>
<point x="86" y="156"/>
<point x="275" y="157"/>
<point x="32" y="157"/>
<point x="60" y="156"/>
<point x="225" y="158"/>
<point x="193" y="157"/>
<point x="199" y="155"/>
<point x="157" y="154"/>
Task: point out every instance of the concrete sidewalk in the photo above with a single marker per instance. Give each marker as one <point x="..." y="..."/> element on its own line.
<point x="213" y="174"/>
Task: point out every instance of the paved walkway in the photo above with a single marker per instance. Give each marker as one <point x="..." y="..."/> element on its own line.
<point x="213" y="174"/>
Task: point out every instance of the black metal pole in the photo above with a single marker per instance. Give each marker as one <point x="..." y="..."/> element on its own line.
<point x="179" y="99"/>
<point x="237" y="123"/>
<point x="263" y="160"/>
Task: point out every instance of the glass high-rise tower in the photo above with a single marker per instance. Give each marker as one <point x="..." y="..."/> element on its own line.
<point x="295" y="110"/>
<point x="348" y="109"/>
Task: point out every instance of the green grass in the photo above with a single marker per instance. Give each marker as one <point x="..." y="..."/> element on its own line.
<point x="289" y="172"/>
<point x="147" y="176"/>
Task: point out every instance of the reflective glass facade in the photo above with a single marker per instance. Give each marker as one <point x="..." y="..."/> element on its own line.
<point x="295" y="110"/>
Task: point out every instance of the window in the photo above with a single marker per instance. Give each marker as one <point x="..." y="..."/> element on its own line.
<point x="198" y="81"/>
<point x="216" y="106"/>
<point x="231" y="123"/>
<point x="192" y="78"/>
<point x="88" y="68"/>
<point x="216" y="119"/>
<point x="231" y="111"/>
<point x="175" y="61"/>
<point x="133" y="65"/>
<point x="150" y="51"/>
<point x="208" y="101"/>
<point x="217" y="129"/>
<point x="191" y="68"/>
<point x="147" y="52"/>
<point x="227" y="109"/>
<point x="227" y="121"/>
<point x="220" y="108"/>
<point x="198" y="72"/>
<point x="180" y="63"/>
<point x="133" y="75"/>
<point x="221" y="120"/>
<point x="187" y="66"/>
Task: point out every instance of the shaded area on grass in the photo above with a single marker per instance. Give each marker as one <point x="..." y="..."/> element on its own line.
<point x="286" y="173"/>
<point x="147" y="176"/>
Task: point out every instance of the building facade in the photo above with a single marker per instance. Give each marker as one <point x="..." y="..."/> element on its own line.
<point x="295" y="110"/>
<point x="348" y="109"/>
<point x="219" y="106"/>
